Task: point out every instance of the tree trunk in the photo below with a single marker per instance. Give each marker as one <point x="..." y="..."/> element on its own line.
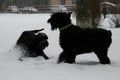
<point x="88" y="13"/>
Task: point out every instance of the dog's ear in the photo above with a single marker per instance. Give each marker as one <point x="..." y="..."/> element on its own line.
<point x="69" y="14"/>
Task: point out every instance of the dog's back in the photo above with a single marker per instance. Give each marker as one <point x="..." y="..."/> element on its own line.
<point x="26" y="38"/>
<point x="97" y="37"/>
<point x="86" y="40"/>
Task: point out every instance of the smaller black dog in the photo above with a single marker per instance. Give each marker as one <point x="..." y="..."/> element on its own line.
<point x="32" y="43"/>
<point x="75" y="41"/>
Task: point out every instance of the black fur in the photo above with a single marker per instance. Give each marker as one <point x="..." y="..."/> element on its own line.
<point x="75" y="41"/>
<point x="33" y="43"/>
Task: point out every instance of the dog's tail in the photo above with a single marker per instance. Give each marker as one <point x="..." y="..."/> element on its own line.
<point x="109" y="37"/>
<point x="110" y="33"/>
<point x="35" y="31"/>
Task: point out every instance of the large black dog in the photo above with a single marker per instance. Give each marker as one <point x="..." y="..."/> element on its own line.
<point x="33" y="43"/>
<point x="75" y="41"/>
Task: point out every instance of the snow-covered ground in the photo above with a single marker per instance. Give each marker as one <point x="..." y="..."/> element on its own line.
<point x="86" y="68"/>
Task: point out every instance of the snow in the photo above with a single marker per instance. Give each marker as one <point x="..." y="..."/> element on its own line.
<point x="108" y="3"/>
<point x="86" y="67"/>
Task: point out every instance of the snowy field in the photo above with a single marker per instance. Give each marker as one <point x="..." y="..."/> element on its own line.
<point x="86" y="68"/>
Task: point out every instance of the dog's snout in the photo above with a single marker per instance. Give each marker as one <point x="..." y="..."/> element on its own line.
<point x="48" y="20"/>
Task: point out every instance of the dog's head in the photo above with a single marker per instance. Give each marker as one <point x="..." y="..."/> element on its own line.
<point x="42" y="40"/>
<point x="59" y="20"/>
<point x="42" y="36"/>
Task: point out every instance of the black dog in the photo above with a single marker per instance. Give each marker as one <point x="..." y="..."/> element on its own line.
<point x="33" y="43"/>
<point x="75" y="41"/>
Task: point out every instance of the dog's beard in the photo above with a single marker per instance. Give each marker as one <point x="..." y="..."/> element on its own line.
<point x="53" y="27"/>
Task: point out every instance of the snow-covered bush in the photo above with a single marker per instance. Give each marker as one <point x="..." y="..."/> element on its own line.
<point x="111" y="21"/>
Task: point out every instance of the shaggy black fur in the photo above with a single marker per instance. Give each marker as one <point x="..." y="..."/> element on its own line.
<point x="33" y="43"/>
<point x="75" y="41"/>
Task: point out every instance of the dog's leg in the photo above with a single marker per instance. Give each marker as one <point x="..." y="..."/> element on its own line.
<point x="102" y="56"/>
<point x="70" y="58"/>
<point x="61" y="57"/>
<point x="43" y="54"/>
<point x="67" y="57"/>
